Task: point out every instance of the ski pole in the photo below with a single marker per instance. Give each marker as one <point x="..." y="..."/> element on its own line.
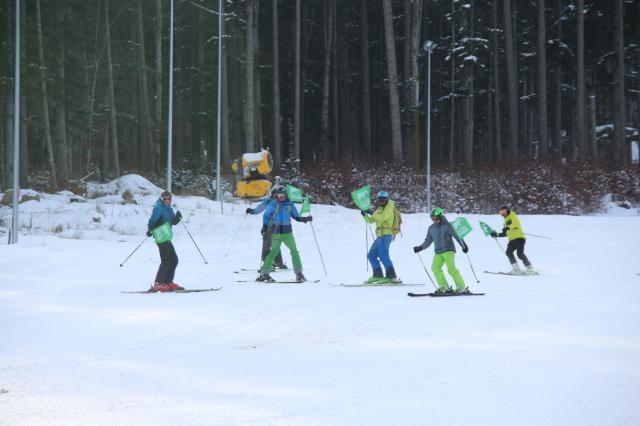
<point x="124" y="261"/>
<point x="425" y="270"/>
<point x="474" y="272"/>
<point x="319" y="252"/>
<point x="235" y="235"/>
<point x="539" y="236"/>
<point x="499" y="245"/>
<point x="194" y="243"/>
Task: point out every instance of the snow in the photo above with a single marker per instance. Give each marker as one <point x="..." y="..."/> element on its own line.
<point x="561" y="348"/>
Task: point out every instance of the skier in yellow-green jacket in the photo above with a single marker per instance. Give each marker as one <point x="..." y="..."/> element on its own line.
<point x="383" y="217"/>
<point x="514" y="233"/>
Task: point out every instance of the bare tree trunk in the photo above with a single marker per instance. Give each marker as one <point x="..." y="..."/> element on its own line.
<point x="24" y="124"/>
<point x="580" y="89"/>
<point x="512" y="83"/>
<point x="224" y="107"/>
<point x="467" y="21"/>
<point x="556" y="143"/>
<point x="335" y="146"/>
<point x="366" y="91"/>
<point x="277" y="129"/>
<point x="593" y="136"/>
<point x="60" y="101"/>
<point x="46" y="121"/>
<point x="414" y="85"/>
<point x="112" y="98"/>
<point x="258" y="77"/>
<point x="298" y="87"/>
<point x="496" y="83"/>
<point x="452" y="93"/>
<point x="543" y="140"/>
<point x="250" y="103"/>
<point x="146" y="132"/>
<point x="621" y="150"/>
<point x="326" y="74"/>
<point x="392" y="70"/>
<point x="158" y="89"/>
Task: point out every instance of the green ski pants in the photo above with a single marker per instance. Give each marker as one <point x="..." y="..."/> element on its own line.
<point x="448" y="258"/>
<point x="276" y="242"/>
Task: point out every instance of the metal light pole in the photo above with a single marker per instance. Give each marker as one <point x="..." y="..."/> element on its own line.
<point x="429" y="46"/>
<point x="218" y="162"/>
<point x="170" y="119"/>
<point x="16" y="131"/>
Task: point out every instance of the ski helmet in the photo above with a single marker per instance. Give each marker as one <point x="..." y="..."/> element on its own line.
<point x="504" y="207"/>
<point x="165" y="194"/>
<point x="436" y="212"/>
<point x="383" y="195"/>
<point x="280" y="191"/>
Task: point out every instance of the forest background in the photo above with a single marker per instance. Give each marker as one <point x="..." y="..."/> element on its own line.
<point x="534" y="103"/>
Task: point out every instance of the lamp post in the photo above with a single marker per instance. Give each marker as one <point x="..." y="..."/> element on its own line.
<point x="16" y="131"/>
<point x="429" y="46"/>
<point x="170" y="101"/>
<point x="219" y="160"/>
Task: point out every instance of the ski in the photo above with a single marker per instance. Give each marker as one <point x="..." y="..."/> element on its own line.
<point x="451" y="294"/>
<point x="255" y="271"/>
<point x="379" y="285"/>
<point x="522" y="274"/>
<point x="278" y="282"/>
<point x="195" y="290"/>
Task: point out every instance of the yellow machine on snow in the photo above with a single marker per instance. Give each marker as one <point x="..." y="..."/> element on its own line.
<point x="251" y="171"/>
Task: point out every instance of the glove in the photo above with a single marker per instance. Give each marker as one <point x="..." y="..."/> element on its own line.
<point x="465" y="247"/>
<point x="417" y="249"/>
<point x="149" y="233"/>
<point x="304" y="219"/>
<point x="363" y="213"/>
<point x="177" y="218"/>
<point x="249" y="210"/>
<point x="263" y="231"/>
<point x="494" y="234"/>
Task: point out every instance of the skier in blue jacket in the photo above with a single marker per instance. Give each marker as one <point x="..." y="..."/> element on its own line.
<point x="266" y="233"/>
<point x="159" y="225"/>
<point x="277" y="218"/>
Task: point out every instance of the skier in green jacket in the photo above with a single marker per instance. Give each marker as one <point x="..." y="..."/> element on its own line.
<point x="514" y="233"/>
<point x="441" y="235"/>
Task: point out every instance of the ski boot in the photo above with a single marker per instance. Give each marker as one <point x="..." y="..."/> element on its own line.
<point x="279" y="266"/>
<point x="175" y="286"/>
<point x="377" y="277"/>
<point x="391" y="276"/>
<point x="463" y="290"/>
<point x="265" y="278"/>
<point x="515" y="269"/>
<point x="444" y="290"/>
<point x="530" y="271"/>
<point x="161" y="288"/>
<point x="300" y="278"/>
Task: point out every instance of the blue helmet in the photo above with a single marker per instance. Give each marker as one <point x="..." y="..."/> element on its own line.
<point x="383" y="194"/>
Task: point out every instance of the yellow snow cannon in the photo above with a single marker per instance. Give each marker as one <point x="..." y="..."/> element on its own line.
<point x="251" y="171"/>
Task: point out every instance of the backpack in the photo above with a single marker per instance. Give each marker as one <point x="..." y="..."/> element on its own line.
<point x="397" y="222"/>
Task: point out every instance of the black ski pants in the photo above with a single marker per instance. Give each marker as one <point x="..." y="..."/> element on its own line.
<point x="266" y="248"/>
<point x="168" y="263"/>
<point x="517" y="245"/>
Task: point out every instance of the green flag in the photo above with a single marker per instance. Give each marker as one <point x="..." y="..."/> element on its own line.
<point x="362" y="197"/>
<point x="461" y="227"/>
<point x="486" y="229"/>
<point x="163" y="233"/>
<point x="294" y="194"/>
<point x="306" y="207"/>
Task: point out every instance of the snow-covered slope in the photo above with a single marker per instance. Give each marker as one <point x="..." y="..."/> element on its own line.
<point x="561" y="348"/>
